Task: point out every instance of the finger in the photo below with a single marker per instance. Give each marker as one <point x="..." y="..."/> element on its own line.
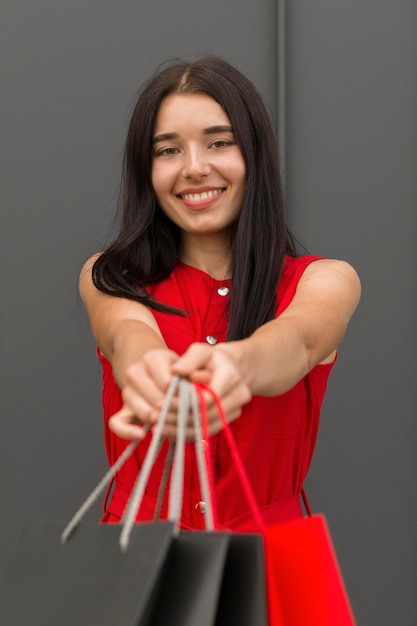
<point x="158" y="365"/>
<point x="232" y="403"/>
<point x="201" y="376"/>
<point x="196" y="357"/>
<point x="139" y="406"/>
<point x="124" y="423"/>
<point x="142" y="384"/>
<point x="152" y="375"/>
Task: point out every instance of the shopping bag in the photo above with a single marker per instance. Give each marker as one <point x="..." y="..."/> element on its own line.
<point x="83" y="574"/>
<point x="242" y="599"/>
<point x="202" y="589"/>
<point x="145" y="574"/>
<point x="88" y="581"/>
<point x="212" y="578"/>
<point x="304" y="580"/>
<point x="243" y="594"/>
<point x="304" y="583"/>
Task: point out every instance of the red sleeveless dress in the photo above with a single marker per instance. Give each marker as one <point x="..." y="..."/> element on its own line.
<point x="275" y="436"/>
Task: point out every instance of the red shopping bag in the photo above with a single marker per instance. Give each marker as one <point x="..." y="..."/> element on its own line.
<point x="304" y="581"/>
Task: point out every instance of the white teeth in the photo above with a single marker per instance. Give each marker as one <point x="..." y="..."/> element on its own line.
<point x="197" y="197"/>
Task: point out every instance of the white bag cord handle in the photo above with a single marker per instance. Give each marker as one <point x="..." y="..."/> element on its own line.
<point x="103" y="484"/>
<point x="93" y="497"/>
<point x="188" y="400"/>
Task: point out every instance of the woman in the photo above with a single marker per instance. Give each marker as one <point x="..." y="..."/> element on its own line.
<point x="203" y="281"/>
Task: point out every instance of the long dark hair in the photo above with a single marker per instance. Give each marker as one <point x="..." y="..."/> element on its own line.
<point x="145" y="250"/>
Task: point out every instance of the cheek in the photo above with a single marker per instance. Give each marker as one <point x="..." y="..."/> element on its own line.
<point x="162" y="178"/>
<point x="239" y="172"/>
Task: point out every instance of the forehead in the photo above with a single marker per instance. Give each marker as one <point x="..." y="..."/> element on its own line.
<point x="189" y="111"/>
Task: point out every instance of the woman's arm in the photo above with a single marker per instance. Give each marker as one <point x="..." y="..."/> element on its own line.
<point x="281" y="352"/>
<point x="269" y="362"/>
<point x="127" y="334"/>
<point x="308" y="332"/>
<point x="123" y="329"/>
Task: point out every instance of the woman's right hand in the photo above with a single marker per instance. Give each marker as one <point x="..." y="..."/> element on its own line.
<point x="143" y="394"/>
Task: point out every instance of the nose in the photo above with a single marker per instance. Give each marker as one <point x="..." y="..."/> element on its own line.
<point x="196" y="164"/>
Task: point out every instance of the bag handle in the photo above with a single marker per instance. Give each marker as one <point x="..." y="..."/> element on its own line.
<point x="306" y="503"/>
<point x="237" y="459"/>
<point x="189" y="403"/>
<point x="94" y="495"/>
<point x="187" y="400"/>
<point x="242" y="475"/>
<point x="176" y="490"/>
<point x="189" y="397"/>
<point x="103" y="484"/>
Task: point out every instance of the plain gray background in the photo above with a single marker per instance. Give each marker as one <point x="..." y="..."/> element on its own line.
<point x="70" y="72"/>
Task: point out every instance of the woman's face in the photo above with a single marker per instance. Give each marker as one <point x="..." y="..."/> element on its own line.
<point x="198" y="171"/>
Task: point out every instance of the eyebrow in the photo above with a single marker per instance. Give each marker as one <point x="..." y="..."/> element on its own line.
<point x="212" y="130"/>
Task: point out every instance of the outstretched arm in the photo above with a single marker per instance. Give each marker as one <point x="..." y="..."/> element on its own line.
<point x="269" y="362"/>
<point x="127" y="334"/>
<point x="281" y="352"/>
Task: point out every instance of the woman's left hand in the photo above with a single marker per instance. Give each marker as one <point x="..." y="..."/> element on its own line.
<point x="214" y="366"/>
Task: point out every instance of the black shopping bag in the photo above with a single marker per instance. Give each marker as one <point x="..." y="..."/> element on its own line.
<point x="145" y="574"/>
<point x="213" y="579"/>
<point x="88" y="581"/>
<point x="243" y="594"/>
<point x="192" y="579"/>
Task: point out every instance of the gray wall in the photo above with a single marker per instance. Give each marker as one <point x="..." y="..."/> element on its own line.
<point x="352" y="192"/>
<point x="70" y="72"/>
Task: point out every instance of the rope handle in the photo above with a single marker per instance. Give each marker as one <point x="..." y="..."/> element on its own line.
<point x="101" y="487"/>
<point x="306" y="503"/>
<point x="176" y="489"/>
<point x="188" y="399"/>
<point x="191" y="401"/>
<point x="110" y="474"/>
<point x="188" y="402"/>
<point x="202" y="457"/>
<point x="202" y="460"/>
<point x="237" y="458"/>
<point x="137" y="493"/>
<point x="243" y="477"/>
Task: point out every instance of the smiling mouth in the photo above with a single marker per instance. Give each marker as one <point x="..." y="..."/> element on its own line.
<point x="198" y="197"/>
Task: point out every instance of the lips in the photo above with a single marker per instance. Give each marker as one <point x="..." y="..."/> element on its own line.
<point x="200" y="196"/>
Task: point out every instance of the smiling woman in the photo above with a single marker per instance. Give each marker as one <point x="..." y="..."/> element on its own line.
<point x="203" y="281"/>
<point x="198" y="174"/>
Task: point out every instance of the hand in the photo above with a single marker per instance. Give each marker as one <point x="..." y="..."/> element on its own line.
<point x="143" y="394"/>
<point x="149" y="379"/>
<point x="215" y="367"/>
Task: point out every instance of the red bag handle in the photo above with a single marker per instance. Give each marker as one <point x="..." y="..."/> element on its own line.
<point x="235" y="455"/>
<point x="200" y="387"/>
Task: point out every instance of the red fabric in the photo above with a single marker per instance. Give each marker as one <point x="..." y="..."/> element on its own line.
<point x="304" y="582"/>
<point x="275" y="436"/>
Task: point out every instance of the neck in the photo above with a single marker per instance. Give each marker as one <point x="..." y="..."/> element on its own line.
<point x="213" y="258"/>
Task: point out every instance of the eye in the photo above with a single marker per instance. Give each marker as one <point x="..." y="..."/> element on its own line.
<point x="221" y="143"/>
<point x="166" y="151"/>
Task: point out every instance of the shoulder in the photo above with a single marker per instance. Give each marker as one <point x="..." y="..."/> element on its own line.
<point x="332" y="283"/>
<point x="295" y="266"/>
<point x="85" y="281"/>
<point x="315" y="276"/>
<point x="332" y="272"/>
<point x="310" y="266"/>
